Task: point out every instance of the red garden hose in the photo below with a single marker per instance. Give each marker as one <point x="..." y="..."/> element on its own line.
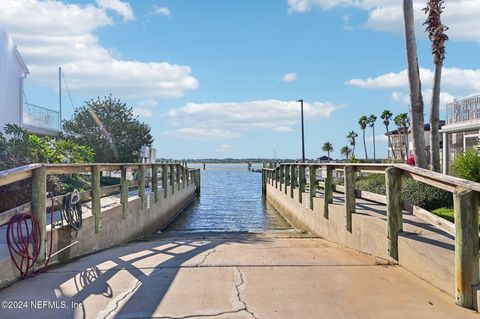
<point x="23" y="241"/>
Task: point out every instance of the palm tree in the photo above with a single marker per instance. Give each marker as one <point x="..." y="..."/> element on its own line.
<point x="371" y="122"/>
<point x="416" y="99"/>
<point x="363" y="122"/>
<point x="436" y="33"/>
<point x="352" y="135"/>
<point x="327" y="147"/>
<point x="401" y="120"/>
<point x="345" y="151"/>
<point x="387" y="117"/>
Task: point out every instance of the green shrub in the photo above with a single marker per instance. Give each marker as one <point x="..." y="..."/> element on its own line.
<point x="467" y="165"/>
<point x="416" y="193"/>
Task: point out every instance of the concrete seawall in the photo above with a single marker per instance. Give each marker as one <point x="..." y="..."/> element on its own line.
<point x="424" y="249"/>
<point x="115" y="229"/>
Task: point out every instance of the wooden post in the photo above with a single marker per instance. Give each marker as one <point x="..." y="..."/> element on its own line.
<point x="155" y="181"/>
<point x="96" y="194"/>
<point x="327" y="191"/>
<point x="141" y="185"/>
<point x="264" y="181"/>
<point x="172" y="177"/>
<point x="301" y="182"/>
<point x="165" y="180"/>
<point x="349" y="183"/>
<point x="276" y="177"/>
<point x="39" y="206"/>
<point x="465" y="204"/>
<point x="293" y="178"/>
<point x="282" y="169"/>
<point x="287" y="178"/>
<point x="124" y="191"/>
<point x="393" y="183"/>
<point x="178" y="168"/>
<point x="312" y="170"/>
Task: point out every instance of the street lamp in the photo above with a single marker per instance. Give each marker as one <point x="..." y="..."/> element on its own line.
<point x="303" y="134"/>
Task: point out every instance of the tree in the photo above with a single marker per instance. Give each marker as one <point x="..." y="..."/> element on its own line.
<point x="387" y="117"/>
<point x="416" y="99"/>
<point x="110" y="128"/>
<point x="401" y="120"/>
<point x="345" y="151"/>
<point x="363" y="122"/>
<point x="327" y="147"/>
<point x="371" y="122"/>
<point x="436" y="33"/>
<point x="352" y="136"/>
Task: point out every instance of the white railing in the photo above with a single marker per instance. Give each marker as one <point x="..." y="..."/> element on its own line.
<point x="39" y="117"/>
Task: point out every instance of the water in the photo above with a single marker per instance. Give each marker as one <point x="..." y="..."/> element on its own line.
<point x="231" y="200"/>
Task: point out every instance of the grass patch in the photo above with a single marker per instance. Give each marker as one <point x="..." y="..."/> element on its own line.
<point x="445" y="213"/>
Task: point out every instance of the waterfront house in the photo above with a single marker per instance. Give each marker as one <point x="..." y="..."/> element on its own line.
<point x="13" y="105"/>
<point x="401" y="146"/>
<point x="462" y="128"/>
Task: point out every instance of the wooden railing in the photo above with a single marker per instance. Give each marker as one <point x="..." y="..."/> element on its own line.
<point x="465" y="195"/>
<point x="172" y="175"/>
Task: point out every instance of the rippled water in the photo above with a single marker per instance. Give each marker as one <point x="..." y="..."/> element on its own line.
<point x="231" y="200"/>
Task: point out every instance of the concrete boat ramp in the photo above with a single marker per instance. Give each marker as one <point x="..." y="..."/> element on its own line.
<point x="229" y="275"/>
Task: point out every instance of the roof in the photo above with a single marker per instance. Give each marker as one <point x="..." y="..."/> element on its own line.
<point x="18" y="56"/>
<point x="426" y="127"/>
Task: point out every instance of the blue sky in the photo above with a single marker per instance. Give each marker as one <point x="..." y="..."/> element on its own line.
<point x="208" y="76"/>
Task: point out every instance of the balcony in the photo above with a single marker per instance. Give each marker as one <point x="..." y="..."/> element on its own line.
<point x="38" y="119"/>
<point x="464" y="112"/>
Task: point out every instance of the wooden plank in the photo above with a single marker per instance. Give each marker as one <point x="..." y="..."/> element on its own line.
<point x="281" y="171"/>
<point x="155" y="182"/>
<point x="96" y="195"/>
<point x="172" y="177"/>
<point x="301" y="182"/>
<point x="39" y="206"/>
<point x="287" y="178"/>
<point x="177" y="169"/>
<point x="59" y="169"/>
<point x="124" y="191"/>
<point x="313" y="184"/>
<point x="425" y="180"/>
<point x="328" y="191"/>
<point x="349" y="182"/>
<point x="393" y="183"/>
<point x="17" y="174"/>
<point x="466" y="246"/>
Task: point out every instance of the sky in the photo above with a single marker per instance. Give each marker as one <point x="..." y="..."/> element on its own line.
<point x="217" y="78"/>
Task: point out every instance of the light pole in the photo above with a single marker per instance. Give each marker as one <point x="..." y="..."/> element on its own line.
<point x="303" y="134"/>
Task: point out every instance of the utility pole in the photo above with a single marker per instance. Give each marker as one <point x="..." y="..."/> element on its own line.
<point x="60" y="94"/>
<point x="303" y="133"/>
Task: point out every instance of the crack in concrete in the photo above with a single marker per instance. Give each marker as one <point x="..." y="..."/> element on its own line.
<point x="212" y="250"/>
<point x="201" y="315"/>
<point x="239" y="297"/>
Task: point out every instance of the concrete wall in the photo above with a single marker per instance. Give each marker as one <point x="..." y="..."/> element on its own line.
<point x="115" y="229"/>
<point x="427" y="255"/>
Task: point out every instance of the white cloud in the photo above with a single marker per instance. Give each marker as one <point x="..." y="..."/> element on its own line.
<point x="147" y="103"/>
<point x="463" y="81"/>
<point x="234" y="117"/>
<point x="53" y="33"/>
<point x="143" y="112"/>
<point x="387" y="15"/>
<point x="121" y="8"/>
<point x="378" y="138"/>
<point x="289" y="77"/>
<point x="202" y="133"/>
<point x="162" y="11"/>
<point x="223" y="149"/>
<point x="445" y="97"/>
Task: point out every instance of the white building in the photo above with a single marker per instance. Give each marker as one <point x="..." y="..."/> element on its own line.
<point x="462" y="130"/>
<point x="35" y="119"/>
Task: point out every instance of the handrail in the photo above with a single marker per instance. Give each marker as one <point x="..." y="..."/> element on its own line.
<point x="450" y="183"/>
<point x="465" y="197"/>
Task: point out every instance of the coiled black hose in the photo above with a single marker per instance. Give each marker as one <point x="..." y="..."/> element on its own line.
<point x="71" y="210"/>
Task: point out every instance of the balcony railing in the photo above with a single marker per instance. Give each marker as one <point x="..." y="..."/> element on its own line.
<point x="37" y="116"/>
<point x="464" y="111"/>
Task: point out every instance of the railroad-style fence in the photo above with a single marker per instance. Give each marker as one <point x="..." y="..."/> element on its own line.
<point x="465" y="195"/>
<point x="173" y="176"/>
